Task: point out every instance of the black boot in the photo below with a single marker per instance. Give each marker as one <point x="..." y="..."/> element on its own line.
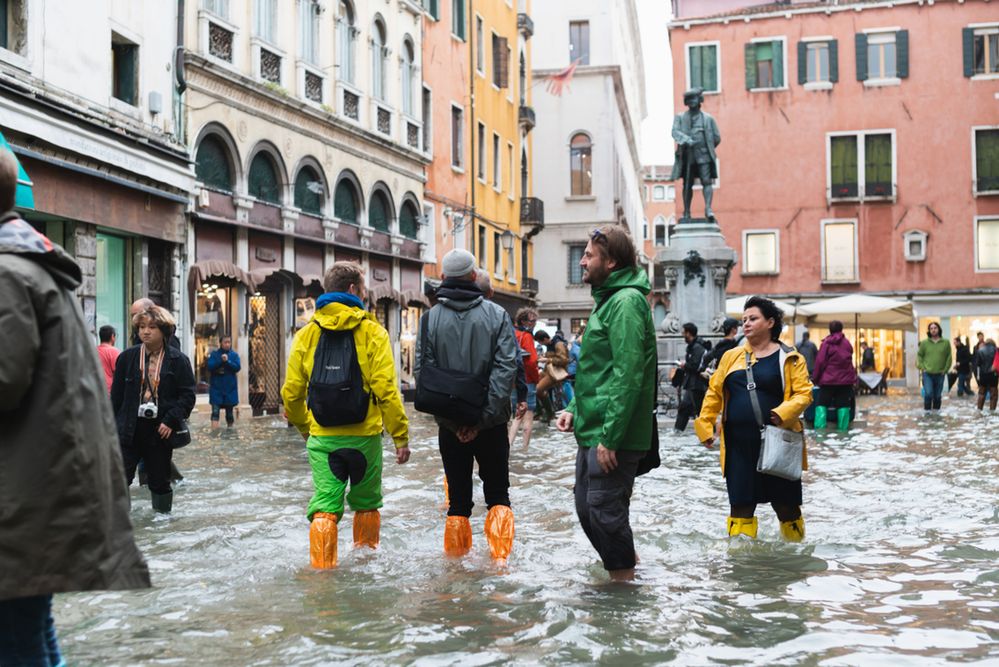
<point x="162" y="502"/>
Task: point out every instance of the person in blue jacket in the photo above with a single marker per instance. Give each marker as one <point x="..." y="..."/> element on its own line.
<point x="223" y="364"/>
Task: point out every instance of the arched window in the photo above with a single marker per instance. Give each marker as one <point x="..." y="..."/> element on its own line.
<point x="645" y="228"/>
<point x="379" y="58"/>
<point x="309" y="191"/>
<point x="378" y="212"/>
<point x="408" y="71"/>
<point x="662" y="235"/>
<point x="263" y="179"/>
<point x="211" y="166"/>
<point x="581" y="164"/>
<point x="346" y="36"/>
<point x="345" y="202"/>
<point x="408" y="222"/>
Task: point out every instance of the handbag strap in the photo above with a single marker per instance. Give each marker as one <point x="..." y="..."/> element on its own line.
<point x="751" y="386"/>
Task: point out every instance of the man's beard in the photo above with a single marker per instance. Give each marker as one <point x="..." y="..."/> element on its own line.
<point x="595" y="277"/>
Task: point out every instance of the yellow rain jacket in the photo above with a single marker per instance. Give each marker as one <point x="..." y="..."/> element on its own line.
<point x="374" y="356"/>
<point x="797" y="394"/>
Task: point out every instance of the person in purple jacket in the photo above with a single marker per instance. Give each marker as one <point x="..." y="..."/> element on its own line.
<point x="836" y="376"/>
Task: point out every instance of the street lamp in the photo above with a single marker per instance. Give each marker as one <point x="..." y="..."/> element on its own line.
<point x="506" y="240"/>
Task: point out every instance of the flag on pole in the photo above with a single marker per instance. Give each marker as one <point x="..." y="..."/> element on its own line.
<point x="559" y="82"/>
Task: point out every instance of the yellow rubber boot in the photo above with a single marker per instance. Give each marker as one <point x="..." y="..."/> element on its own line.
<point x="322" y="540"/>
<point x="457" y="536"/>
<point x="793" y="531"/>
<point x="499" y="531"/>
<point x="367" y="527"/>
<point x="738" y="526"/>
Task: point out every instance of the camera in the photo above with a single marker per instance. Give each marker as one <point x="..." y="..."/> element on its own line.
<point x="148" y="410"/>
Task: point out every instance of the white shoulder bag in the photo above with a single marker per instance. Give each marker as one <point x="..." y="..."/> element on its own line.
<point x="780" y="448"/>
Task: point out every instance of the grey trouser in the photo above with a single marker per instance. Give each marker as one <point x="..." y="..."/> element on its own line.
<point x="603" y="501"/>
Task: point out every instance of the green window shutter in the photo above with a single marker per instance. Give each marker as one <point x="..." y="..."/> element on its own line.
<point x="902" y="53"/>
<point x="407" y="221"/>
<point x="345" y="203"/>
<point x="3" y="24"/>
<point x="750" y="66"/>
<point x="696" y="73"/>
<point x="968" y="41"/>
<point x="843" y="177"/>
<point x="378" y="213"/>
<point x="263" y="180"/>
<point x="833" y="60"/>
<point x="709" y="67"/>
<point x="987" y="160"/>
<point x="211" y="165"/>
<point x="308" y="192"/>
<point x="777" y="52"/>
<point x="435" y="9"/>
<point x="861" y="56"/>
<point x="802" y="62"/>
<point x="877" y="165"/>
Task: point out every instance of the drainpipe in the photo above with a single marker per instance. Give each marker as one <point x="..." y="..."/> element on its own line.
<point x="178" y="69"/>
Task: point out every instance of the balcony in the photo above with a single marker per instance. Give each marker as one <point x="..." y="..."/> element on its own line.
<point x="525" y="24"/>
<point x="532" y="213"/>
<point x="529" y="287"/>
<point x="527" y="117"/>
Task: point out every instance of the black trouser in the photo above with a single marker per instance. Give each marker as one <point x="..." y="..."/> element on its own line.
<point x="155" y="452"/>
<point x="491" y="448"/>
<point x="217" y="412"/>
<point x="690" y="406"/>
<point x="603" y="502"/>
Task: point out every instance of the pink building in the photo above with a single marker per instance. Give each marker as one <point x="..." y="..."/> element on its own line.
<point x="859" y="153"/>
<point x="659" y="197"/>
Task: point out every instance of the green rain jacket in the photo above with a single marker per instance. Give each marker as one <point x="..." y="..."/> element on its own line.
<point x="616" y="375"/>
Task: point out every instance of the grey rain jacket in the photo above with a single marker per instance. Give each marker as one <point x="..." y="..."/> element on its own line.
<point x="465" y="332"/>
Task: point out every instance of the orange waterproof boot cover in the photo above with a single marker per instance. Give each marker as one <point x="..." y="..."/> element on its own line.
<point x="322" y="540"/>
<point x="367" y="526"/>
<point x="457" y="536"/>
<point x="499" y="531"/>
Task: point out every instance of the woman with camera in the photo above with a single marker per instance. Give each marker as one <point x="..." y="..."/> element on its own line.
<point x="782" y="390"/>
<point x="152" y="395"/>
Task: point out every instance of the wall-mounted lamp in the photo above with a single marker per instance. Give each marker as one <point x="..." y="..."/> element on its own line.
<point x="506" y="240"/>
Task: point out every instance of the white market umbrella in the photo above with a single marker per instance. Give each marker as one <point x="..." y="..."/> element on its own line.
<point x="864" y="310"/>
<point x="792" y="315"/>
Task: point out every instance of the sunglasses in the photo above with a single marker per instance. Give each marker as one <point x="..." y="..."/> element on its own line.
<point x="598" y="236"/>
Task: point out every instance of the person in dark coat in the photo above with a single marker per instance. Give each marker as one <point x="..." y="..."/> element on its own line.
<point x="223" y="364"/>
<point x="962" y="355"/>
<point x="985" y="374"/>
<point x="694" y="386"/>
<point x="730" y="329"/>
<point x="836" y="377"/>
<point x="156" y="379"/>
<point x="808" y="350"/>
<point x="64" y="522"/>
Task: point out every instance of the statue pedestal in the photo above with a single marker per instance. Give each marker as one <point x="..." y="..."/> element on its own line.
<point x="697" y="265"/>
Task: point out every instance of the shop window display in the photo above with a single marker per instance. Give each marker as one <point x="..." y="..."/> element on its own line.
<point x="210" y="324"/>
<point x="408" y="337"/>
<point x="263" y="330"/>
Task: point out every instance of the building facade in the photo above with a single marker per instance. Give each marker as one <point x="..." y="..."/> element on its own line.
<point x="860" y="153"/>
<point x="586" y="161"/>
<point x="307" y="136"/>
<point x="96" y="128"/>
<point x="658" y="221"/>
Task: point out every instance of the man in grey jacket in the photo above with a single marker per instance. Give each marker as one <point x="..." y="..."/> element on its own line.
<point x="465" y="332"/>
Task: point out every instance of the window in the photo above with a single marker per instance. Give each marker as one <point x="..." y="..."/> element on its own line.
<point x="378" y="212"/>
<point x="263" y="179"/>
<point x="839" y="251"/>
<point x="481" y="145"/>
<point x="501" y="65"/>
<point x="428" y="114"/>
<point x="702" y="67"/>
<point x="662" y="231"/>
<point x="309" y="191"/>
<point x="981" y="50"/>
<point x="915" y="245"/>
<point x="497" y="255"/>
<point x="579" y="42"/>
<point x="345" y="202"/>
<point x="482" y="247"/>
<point x="987" y="244"/>
<point x="308" y="30"/>
<point x="346" y="35"/>
<point x="211" y="165"/>
<point x="862" y="165"/>
<point x="581" y="165"/>
<point x="575" y="257"/>
<point x="218" y="7"/>
<point x="509" y="174"/>
<point x="670" y="193"/>
<point x="458" y="18"/>
<point x="433" y="7"/>
<point x="480" y="46"/>
<point x="125" y="65"/>
<point x="497" y="165"/>
<point x="408" y="72"/>
<point x="457" y="134"/>
<point x="765" y="64"/>
<point x="882" y="57"/>
<point x="645" y="229"/>
<point x="379" y="58"/>
<point x="986" y="163"/>
<point x="818" y="62"/>
<point x="265" y="19"/>
<point x="408" y="223"/>
<point x="511" y="264"/>
<point x="761" y="252"/>
<point x="659" y="193"/>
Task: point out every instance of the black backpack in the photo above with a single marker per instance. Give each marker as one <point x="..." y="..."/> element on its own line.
<point x="336" y="394"/>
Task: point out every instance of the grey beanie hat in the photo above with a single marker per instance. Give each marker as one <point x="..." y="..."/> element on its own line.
<point x="457" y="263"/>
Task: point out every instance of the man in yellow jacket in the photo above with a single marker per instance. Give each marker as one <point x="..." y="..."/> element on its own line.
<point x="352" y="452"/>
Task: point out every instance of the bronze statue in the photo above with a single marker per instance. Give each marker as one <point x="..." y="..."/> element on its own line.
<point x="696" y="135"/>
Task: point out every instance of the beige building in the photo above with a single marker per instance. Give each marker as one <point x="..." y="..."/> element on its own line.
<point x="305" y="130"/>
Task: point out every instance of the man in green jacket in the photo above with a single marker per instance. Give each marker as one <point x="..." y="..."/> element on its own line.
<point x="934" y="359"/>
<point x="615" y="392"/>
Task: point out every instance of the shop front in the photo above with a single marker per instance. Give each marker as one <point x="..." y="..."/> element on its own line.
<point x="414" y="304"/>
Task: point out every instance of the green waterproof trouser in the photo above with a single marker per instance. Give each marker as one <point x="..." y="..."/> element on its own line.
<point x="339" y="460"/>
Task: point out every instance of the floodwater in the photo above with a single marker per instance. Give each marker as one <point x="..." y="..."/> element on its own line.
<point x="900" y="565"/>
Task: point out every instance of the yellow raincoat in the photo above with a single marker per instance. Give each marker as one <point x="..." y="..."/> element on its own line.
<point x="797" y="394"/>
<point x="374" y="356"/>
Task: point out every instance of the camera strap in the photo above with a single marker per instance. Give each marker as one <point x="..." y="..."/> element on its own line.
<point x="150" y="382"/>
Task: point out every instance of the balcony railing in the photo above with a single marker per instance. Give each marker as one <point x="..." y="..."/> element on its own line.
<point x="527" y="117"/>
<point x="529" y="286"/>
<point x="532" y="213"/>
<point x="525" y="24"/>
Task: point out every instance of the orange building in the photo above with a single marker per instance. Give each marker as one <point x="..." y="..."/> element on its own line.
<point x="659" y="199"/>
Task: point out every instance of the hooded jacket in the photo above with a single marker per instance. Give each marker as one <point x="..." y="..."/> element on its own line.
<point x="834" y="362"/>
<point x="64" y="523"/>
<point x="797" y="394"/>
<point x="697" y="349"/>
<point x="616" y="376"/>
<point x="374" y="356"/>
<point x="224" y="387"/>
<point x="465" y="332"/>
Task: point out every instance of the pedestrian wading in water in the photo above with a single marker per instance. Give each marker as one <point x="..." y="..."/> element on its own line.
<point x="934" y="359"/>
<point x="341" y="392"/>
<point x="783" y="391"/>
<point x="835" y="375"/>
